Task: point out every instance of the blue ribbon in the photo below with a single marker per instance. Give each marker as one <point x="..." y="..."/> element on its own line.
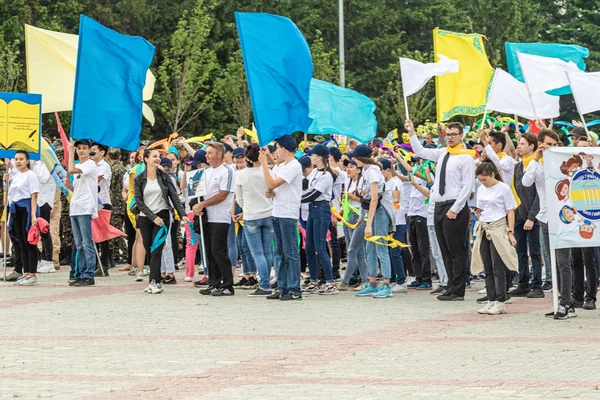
<point x="160" y="238"/>
<point x="194" y="236"/>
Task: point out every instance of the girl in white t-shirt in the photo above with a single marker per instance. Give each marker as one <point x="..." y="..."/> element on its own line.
<point x="495" y="205"/>
<point x="22" y="199"/>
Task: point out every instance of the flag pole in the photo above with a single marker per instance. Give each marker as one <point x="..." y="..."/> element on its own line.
<point x="403" y="91"/>
<point x="587" y="132"/>
<point x="554" y="279"/>
<point x="7" y="215"/>
<point x="487" y="101"/>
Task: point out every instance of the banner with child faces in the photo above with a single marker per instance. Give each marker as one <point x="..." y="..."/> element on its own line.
<point x="572" y="177"/>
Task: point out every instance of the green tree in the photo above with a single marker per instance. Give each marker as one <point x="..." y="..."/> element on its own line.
<point x="232" y="90"/>
<point x="325" y="60"/>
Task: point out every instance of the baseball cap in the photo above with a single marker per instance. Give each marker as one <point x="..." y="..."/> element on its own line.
<point x="385" y="163"/>
<point x="362" y="150"/>
<point x="305" y="162"/>
<point x="287" y="142"/>
<point x="376" y="142"/>
<point x="238" y="151"/>
<point x="320" y="150"/>
<point x="199" y="157"/>
<point x="272" y="148"/>
<point x="87" y="142"/>
<point x="579" y="132"/>
<point x="335" y="153"/>
<point x="100" y="147"/>
<point x="228" y="148"/>
<point x="166" y="162"/>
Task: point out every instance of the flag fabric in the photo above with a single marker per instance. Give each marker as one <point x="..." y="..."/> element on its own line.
<point x="465" y="92"/>
<point x="111" y="74"/>
<point x="102" y="230"/>
<point x="337" y="110"/>
<point x="57" y="172"/>
<point x="586" y="90"/>
<point x="63" y="138"/>
<point x="510" y="96"/>
<point x="51" y="65"/>
<point x="573" y="201"/>
<point x="565" y="52"/>
<point x="416" y="74"/>
<point x="278" y="69"/>
<point x="543" y="74"/>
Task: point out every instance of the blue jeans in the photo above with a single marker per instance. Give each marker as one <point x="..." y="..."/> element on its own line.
<point x="319" y="219"/>
<point x="232" y="249"/>
<point x="286" y="246"/>
<point x="355" y="242"/>
<point x="248" y="266"/>
<point x="86" y="254"/>
<point x="259" y="236"/>
<point x="380" y="227"/>
<point x="398" y="270"/>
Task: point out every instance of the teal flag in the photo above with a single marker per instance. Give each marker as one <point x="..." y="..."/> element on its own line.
<point x="337" y="110"/>
<point x="565" y="52"/>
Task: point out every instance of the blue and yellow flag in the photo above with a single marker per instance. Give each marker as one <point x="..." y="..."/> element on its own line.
<point x="463" y="93"/>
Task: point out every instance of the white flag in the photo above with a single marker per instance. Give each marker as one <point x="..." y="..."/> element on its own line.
<point x="415" y="74"/>
<point x="510" y="96"/>
<point x="586" y="90"/>
<point x="544" y="73"/>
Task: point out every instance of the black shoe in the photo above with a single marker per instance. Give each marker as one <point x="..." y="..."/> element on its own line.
<point x="208" y="291"/>
<point x="576" y="303"/>
<point x="201" y="283"/>
<point x="589" y="304"/>
<point x="290" y="296"/>
<point x="439" y="290"/>
<point x="307" y="281"/>
<point x="274" y="296"/>
<point x="85" y="282"/>
<point x="260" y="293"/>
<point x="98" y="273"/>
<point x="274" y="285"/>
<point x="444" y="291"/>
<point x="337" y="276"/>
<point x="353" y="281"/>
<point x="251" y="283"/>
<point x="565" y="312"/>
<point x="520" y="291"/>
<point x="536" y="293"/>
<point x="65" y="261"/>
<point x="450" y="297"/>
<point x="241" y="282"/>
<point x="223" y="292"/>
<point x="482" y="300"/>
<point x="72" y="282"/>
<point x="547" y="287"/>
<point x="169" y="280"/>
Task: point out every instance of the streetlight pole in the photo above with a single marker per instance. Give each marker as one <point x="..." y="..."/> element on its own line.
<point x="341" y="38"/>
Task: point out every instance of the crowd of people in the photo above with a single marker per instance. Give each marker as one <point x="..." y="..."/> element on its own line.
<point x="450" y="211"/>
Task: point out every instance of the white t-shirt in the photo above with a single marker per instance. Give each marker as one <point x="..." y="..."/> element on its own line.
<point x="321" y="181"/>
<point x="85" y="190"/>
<point x="250" y="188"/>
<point x="404" y="201"/>
<point x="104" y="183"/>
<point x="216" y="180"/>
<point x="395" y="184"/>
<point x="351" y="188"/>
<point x="22" y="185"/>
<point x="417" y="206"/>
<point x="153" y="197"/>
<point x="47" y="185"/>
<point x="495" y="202"/>
<point x="373" y="174"/>
<point x="286" y="203"/>
<point x="337" y="187"/>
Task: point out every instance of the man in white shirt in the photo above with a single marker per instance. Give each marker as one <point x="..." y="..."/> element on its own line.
<point x="82" y="209"/>
<point x="217" y="192"/>
<point x="97" y="154"/>
<point x="451" y="191"/>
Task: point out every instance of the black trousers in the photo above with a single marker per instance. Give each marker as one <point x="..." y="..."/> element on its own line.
<point x="495" y="271"/>
<point x="29" y="252"/>
<point x="45" y="211"/>
<point x="149" y="230"/>
<point x="175" y="241"/>
<point x="336" y="251"/>
<point x="130" y="231"/>
<point x="219" y="265"/>
<point x="451" y="237"/>
<point x="419" y="247"/>
<point x="584" y="257"/>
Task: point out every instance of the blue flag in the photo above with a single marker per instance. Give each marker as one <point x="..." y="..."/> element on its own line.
<point x="566" y="52"/>
<point x="337" y="110"/>
<point x="278" y="70"/>
<point x="110" y="77"/>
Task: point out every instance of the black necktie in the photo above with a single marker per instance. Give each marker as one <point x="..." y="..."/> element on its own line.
<point x="442" y="187"/>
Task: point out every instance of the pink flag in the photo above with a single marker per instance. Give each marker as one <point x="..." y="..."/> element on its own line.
<point x="102" y="230"/>
<point x="63" y="139"/>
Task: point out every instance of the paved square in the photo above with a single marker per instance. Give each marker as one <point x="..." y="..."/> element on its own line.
<point x="114" y="341"/>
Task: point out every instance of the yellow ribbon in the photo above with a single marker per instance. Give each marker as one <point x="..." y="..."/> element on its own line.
<point x="200" y="139"/>
<point x="501" y="155"/>
<point x="527" y="160"/>
<point x="458" y="149"/>
<point x="393" y="243"/>
<point x="348" y="224"/>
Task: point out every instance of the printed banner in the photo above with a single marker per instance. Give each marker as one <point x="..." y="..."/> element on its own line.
<point x="573" y="196"/>
<point x="20" y="124"/>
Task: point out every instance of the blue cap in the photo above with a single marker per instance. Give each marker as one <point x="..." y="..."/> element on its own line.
<point x="362" y="150"/>
<point x="199" y="157"/>
<point x="320" y="150"/>
<point x="287" y="142"/>
<point x="166" y="162"/>
<point x="385" y="163"/>
<point x="305" y="162"/>
<point x="238" y="151"/>
<point x="228" y="148"/>
<point x="272" y="148"/>
<point x="335" y="153"/>
<point x="376" y="142"/>
<point x="87" y="142"/>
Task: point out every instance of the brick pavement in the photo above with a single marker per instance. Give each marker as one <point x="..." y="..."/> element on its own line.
<point x="113" y="341"/>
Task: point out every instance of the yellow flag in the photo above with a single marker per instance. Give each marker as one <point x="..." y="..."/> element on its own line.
<point x="463" y="93"/>
<point x="51" y="65"/>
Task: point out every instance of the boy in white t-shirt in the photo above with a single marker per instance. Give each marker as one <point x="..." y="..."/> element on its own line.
<point x="82" y="209"/>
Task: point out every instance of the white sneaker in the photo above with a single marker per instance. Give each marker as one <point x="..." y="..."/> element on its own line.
<point x="483" y="291"/>
<point x="188" y="279"/>
<point x="29" y="281"/>
<point x="45" y="267"/>
<point x="497" y="308"/>
<point x="154" y="288"/>
<point x="145" y="271"/>
<point x="396" y="288"/>
<point x="139" y="277"/>
<point x="486" y="309"/>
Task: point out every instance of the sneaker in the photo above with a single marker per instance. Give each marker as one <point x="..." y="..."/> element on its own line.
<point x="468" y="285"/>
<point x="28" y="281"/>
<point x="565" y="312"/>
<point x="397" y="288"/>
<point x="201" y="283"/>
<point x="188" y="279"/>
<point x="290" y="296"/>
<point x="589" y="304"/>
<point x="384" y="292"/>
<point x="414" y="285"/>
<point x="85" y="282"/>
<point x="13" y="276"/>
<point x="274" y="296"/>
<point x="536" y="293"/>
<point x="208" y="291"/>
<point x="342" y="287"/>
<point x="483" y="300"/>
<point x="485" y="309"/>
<point x="508" y="300"/>
<point x="497" y="309"/>
<point x="312" y="288"/>
<point x="73" y="281"/>
<point x="145" y="271"/>
<point x="223" y="292"/>
<point x="251" y="283"/>
<point x="366" y="291"/>
<point x="328" y="288"/>
<point x="169" y="280"/>
<point x="45" y="267"/>
<point x="547" y="287"/>
<point x="133" y="271"/>
<point x="482" y="291"/>
<point x="260" y="293"/>
<point x="139" y="277"/>
<point x="576" y="303"/>
<point x="519" y="291"/>
<point x="241" y="282"/>
<point x="22" y="277"/>
<point x="154" y="288"/>
<point x="450" y="297"/>
<point x="438" y="290"/>
<point x="353" y="282"/>
<point x="424" y="286"/>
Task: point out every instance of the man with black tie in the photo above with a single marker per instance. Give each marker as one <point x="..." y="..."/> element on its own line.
<point x="455" y="172"/>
